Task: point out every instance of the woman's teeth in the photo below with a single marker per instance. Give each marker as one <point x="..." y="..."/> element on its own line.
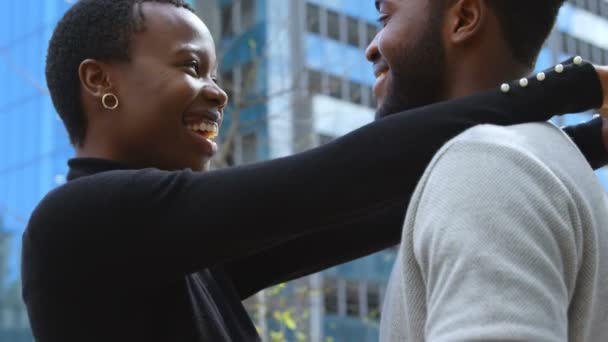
<point x="208" y="129"/>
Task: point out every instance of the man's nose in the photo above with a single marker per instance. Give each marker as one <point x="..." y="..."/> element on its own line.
<point x="372" y="53"/>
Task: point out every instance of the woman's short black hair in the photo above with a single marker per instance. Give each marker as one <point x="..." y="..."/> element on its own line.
<point x="96" y="29"/>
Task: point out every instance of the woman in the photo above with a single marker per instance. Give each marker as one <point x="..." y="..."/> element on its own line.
<point x="136" y="247"/>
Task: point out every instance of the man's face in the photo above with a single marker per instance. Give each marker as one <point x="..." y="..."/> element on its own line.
<point x="408" y="56"/>
<point x="170" y="104"/>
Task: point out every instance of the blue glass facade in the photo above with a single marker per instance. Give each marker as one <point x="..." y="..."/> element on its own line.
<point x="33" y="143"/>
<point x="237" y="51"/>
<point x="329" y="56"/>
<point x="364" y="10"/>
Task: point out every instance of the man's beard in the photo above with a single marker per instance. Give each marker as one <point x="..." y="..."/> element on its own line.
<point x="418" y="78"/>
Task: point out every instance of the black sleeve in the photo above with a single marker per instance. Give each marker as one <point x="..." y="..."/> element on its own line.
<point x="151" y="223"/>
<point x="315" y="252"/>
<point x="382" y="229"/>
<point x="588" y="137"/>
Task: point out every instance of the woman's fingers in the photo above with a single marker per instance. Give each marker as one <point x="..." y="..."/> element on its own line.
<point x="602" y="72"/>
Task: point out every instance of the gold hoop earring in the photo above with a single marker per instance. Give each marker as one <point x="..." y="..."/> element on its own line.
<point x="104" y="101"/>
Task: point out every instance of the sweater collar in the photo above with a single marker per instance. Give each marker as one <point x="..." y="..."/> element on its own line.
<point x="81" y="167"/>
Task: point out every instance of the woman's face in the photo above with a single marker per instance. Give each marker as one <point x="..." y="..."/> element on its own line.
<point x="170" y="103"/>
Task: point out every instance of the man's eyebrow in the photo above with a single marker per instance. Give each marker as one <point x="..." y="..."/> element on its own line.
<point x="378" y="3"/>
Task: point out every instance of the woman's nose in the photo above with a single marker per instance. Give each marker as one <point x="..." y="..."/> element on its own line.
<point x="214" y="93"/>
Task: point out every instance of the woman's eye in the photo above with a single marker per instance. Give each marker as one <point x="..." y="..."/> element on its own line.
<point x="192" y="65"/>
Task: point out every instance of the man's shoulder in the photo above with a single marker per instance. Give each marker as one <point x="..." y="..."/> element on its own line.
<point x="529" y="157"/>
<point x="508" y="170"/>
<point x="529" y="137"/>
<point x="539" y="143"/>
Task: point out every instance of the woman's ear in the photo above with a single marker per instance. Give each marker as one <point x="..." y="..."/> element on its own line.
<point x="94" y="77"/>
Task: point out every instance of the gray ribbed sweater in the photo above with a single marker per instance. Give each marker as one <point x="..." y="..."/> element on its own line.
<point x="505" y="239"/>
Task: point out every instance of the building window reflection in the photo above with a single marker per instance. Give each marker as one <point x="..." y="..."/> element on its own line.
<point x="248" y="13"/>
<point x="226" y="14"/>
<point x="352" y="298"/>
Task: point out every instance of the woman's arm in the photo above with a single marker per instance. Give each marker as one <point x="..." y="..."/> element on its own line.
<point x="590" y="137"/>
<point x="151" y="223"/>
<point x="315" y="252"/>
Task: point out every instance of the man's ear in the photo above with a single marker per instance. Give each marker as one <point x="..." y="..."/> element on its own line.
<point x="94" y="77"/>
<point x="465" y="19"/>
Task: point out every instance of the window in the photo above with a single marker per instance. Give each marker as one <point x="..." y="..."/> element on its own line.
<point x="313" y="15"/>
<point x="335" y="86"/>
<point x="352" y="31"/>
<point x="249" y="147"/>
<point x="330" y="296"/>
<point x="604" y="9"/>
<point x="227" y="83"/>
<point x="593" y="6"/>
<point x="373" y="302"/>
<point x="324" y="139"/>
<point x="372" y="30"/>
<point x="333" y="25"/>
<point x="226" y="14"/>
<point x="248" y="13"/>
<point x="584" y="49"/>
<point x="248" y="74"/>
<point x="373" y="103"/>
<point x="230" y="159"/>
<point x="314" y="82"/>
<point x="568" y="43"/>
<point x="581" y="3"/>
<point x="597" y="55"/>
<point x="355" y="93"/>
<point x="352" y="298"/>
<point x="369" y="98"/>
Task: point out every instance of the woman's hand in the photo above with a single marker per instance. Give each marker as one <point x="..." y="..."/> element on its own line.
<point x="602" y="72"/>
<point x="605" y="131"/>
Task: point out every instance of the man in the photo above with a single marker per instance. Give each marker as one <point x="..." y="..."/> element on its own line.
<point x="505" y="237"/>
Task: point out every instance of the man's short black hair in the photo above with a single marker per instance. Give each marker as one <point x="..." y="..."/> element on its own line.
<point x="526" y="24"/>
<point x="96" y="29"/>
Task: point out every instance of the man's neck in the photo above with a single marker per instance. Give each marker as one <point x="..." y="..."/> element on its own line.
<point x="478" y="76"/>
